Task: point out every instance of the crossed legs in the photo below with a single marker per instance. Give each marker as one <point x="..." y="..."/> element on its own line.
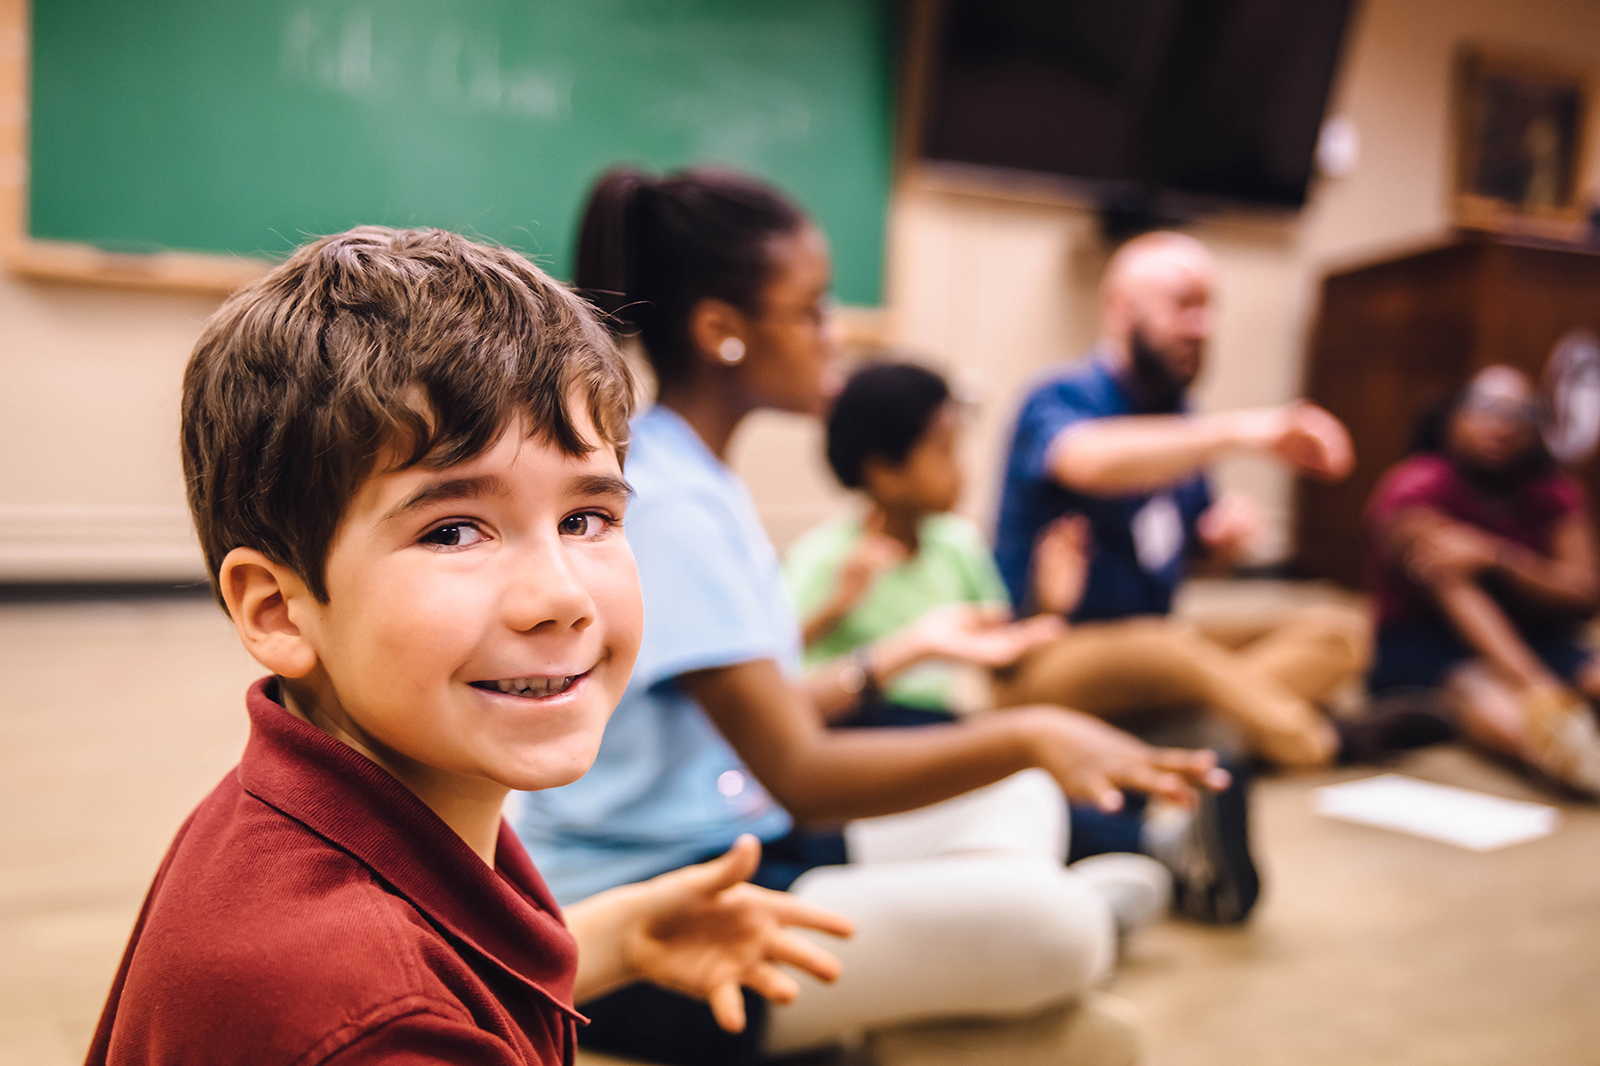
<point x="954" y="922"/>
<point x="1264" y="677"/>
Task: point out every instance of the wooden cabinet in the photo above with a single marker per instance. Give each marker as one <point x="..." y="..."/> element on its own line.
<point x="1394" y="338"/>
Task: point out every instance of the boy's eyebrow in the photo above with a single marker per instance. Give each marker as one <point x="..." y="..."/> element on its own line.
<point x="456" y="488"/>
<point x="602" y="485"/>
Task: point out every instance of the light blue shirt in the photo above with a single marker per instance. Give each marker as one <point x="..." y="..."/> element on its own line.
<point x="667" y="789"/>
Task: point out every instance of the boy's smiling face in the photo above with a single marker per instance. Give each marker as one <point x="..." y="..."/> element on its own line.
<point x="482" y="620"/>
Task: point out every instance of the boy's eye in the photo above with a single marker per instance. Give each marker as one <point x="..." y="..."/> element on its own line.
<point x="453" y="535"/>
<point x="584" y="524"/>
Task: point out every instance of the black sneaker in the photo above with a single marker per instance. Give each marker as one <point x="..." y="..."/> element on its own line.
<point x="1214" y="878"/>
<point x="1393" y="723"/>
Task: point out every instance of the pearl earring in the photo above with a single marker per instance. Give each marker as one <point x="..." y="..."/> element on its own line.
<point x="731" y="351"/>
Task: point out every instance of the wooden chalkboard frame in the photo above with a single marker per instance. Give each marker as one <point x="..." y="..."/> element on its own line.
<point x="28" y="256"/>
<point x="67" y="261"/>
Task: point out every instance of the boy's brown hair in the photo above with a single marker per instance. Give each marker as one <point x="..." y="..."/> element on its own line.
<point x="414" y="344"/>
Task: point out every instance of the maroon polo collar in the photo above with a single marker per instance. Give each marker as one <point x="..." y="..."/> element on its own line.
<point x="505" y="915"/>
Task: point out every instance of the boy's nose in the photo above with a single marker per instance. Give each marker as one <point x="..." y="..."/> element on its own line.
<point x="546" y="590"/>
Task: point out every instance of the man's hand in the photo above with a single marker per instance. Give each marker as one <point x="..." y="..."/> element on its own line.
<point x="704" y="932"/>
<point x="1093" y="761"/>
<point x="1059" y="568"/>
<point x="1308" y="438"/>
<point x="1230" y="527"/>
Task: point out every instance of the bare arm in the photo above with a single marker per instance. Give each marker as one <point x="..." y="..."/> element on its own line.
<point x="823" y="775"/>
<point x="1143" y="453"/>
<point x="1566" y="580"/>
<point x="1486" y="630"/>
<point x="1445" y="557"/>
<point x="835" y="689"/>
<point x="961" y="632"/>
<point x="1436" y="548"/>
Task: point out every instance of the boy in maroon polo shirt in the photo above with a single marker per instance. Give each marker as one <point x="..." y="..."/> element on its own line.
<point x="403" y="453"/>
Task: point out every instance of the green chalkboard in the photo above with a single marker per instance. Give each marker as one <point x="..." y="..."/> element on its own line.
<point x="244" y="126"/>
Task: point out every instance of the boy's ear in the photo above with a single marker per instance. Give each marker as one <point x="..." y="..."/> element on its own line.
<point x="266" y="602"/>
<point x="711" y="322"/>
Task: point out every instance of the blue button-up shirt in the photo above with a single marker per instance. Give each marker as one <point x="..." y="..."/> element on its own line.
<point x="1140" y="540"/>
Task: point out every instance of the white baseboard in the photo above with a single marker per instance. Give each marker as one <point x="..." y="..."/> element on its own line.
<point x="98" y="542"/>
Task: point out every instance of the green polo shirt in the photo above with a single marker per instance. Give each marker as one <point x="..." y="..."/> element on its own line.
<point x="952" y="564"/>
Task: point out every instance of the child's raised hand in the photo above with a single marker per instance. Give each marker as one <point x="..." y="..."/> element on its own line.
<point x="1094" y="761"/>
<point x="705" y="932"/>
<point x="873" y="553"/>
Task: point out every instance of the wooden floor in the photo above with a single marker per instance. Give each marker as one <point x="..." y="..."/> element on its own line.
<point x="1370" y="947"/>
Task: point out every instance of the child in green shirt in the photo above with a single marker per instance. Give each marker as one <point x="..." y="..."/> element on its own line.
<point x="908" y="588"/>
<point x="893" y="597"/>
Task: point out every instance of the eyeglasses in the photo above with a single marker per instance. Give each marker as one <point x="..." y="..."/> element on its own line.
<point x="1522" y="411"/>
<point x="814" y="314"/>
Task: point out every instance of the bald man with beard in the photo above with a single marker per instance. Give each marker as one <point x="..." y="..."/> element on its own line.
<point x="1112" y="438"/>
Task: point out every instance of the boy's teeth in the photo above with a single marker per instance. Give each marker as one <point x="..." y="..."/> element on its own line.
<point x="533" y="686"/>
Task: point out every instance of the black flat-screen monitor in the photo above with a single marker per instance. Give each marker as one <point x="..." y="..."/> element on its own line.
<point x="1212" y="99"/>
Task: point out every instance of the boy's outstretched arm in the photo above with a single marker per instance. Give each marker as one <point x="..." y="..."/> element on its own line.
<point x="958" y="632"/>
<point x="701" y="931"/>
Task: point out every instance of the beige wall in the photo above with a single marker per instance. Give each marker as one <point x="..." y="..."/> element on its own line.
<point x="89" y="478"/>
<point x="993" y="288"/>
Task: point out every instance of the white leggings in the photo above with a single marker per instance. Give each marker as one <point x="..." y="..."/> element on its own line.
<point x="962" y="910"/>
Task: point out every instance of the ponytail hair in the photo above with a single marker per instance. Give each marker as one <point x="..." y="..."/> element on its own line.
<point x="650" y="249"/>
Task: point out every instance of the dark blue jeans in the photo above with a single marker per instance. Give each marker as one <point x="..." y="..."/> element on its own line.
<point x="1419" y="654"/>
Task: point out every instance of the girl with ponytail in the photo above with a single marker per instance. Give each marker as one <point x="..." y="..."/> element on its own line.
<point x="724" y="282"/>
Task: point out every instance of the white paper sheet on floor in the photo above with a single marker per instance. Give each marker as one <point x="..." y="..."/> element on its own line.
<point x="1457" y="816"/>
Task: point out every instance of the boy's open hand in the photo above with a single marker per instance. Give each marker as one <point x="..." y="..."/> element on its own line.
<point x="1094" y="761"/>
<point x="983" y="636"/>
<point x="704" y="932"/>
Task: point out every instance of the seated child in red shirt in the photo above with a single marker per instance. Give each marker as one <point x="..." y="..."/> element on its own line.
<point x="1483" y="565"/>
<point x="404" y="457"/>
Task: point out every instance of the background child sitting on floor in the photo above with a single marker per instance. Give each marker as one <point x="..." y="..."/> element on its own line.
<point x="892" y="597"/>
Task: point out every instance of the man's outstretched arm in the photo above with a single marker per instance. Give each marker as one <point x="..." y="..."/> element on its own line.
<point x="1144" y="453"/>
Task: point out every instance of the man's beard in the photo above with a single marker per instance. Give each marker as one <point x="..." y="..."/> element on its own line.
<point x="1159" y="385"/>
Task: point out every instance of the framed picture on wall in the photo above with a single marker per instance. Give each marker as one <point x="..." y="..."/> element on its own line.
<point x="1521" y="145"/>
